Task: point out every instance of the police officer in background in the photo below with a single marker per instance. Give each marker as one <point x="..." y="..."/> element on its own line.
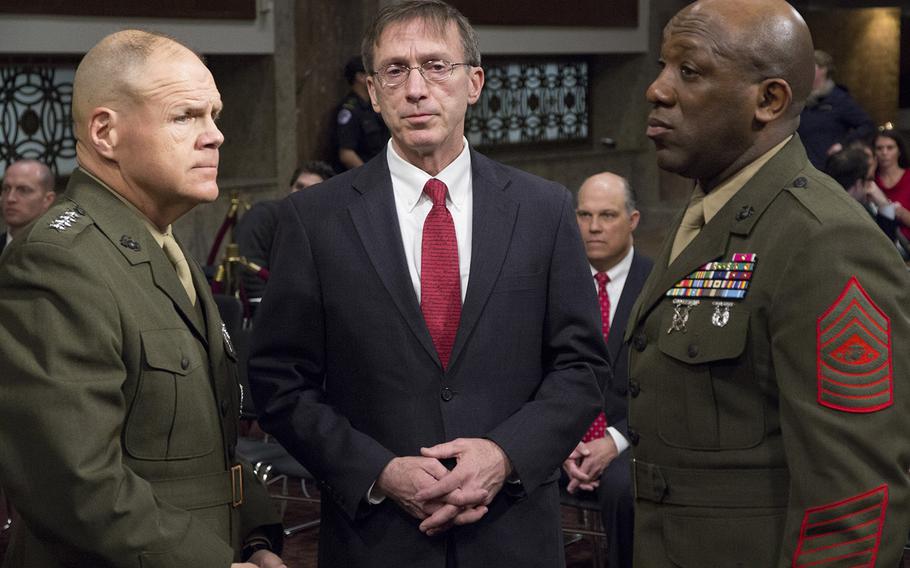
<point x="771" y="405"/>
<point x="360" y="132"/>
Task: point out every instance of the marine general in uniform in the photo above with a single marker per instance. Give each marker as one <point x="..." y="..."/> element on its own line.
<point x="118" y="417"/>
<point x="768" y="375"/>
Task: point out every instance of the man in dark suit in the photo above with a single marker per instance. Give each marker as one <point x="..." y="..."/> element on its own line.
<point x="118" y="419"/>
<point x="432" y="350"/>
<point x="770" y="426"/>
<point x="607" y="217"/>
<point x="27" y="192"/>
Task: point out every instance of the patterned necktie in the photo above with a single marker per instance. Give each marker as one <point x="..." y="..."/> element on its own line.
<point x="440" y="281"/>
<point x="598" y="428"/>
<point x="692" y="222"/>
<point x="175" y="255"/>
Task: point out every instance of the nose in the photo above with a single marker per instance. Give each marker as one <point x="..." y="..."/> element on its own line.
<point x="212" y="137"/>
<point x="595" y="226"/>
<point x="660" y="92"/>
<point x="415" y="85"/>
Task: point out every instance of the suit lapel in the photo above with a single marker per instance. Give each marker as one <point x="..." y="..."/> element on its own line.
<point x="376" y="222"/>
<point x="630" y="292"/>
<point x="494" y="216"/>
<point x="128" y="234"/>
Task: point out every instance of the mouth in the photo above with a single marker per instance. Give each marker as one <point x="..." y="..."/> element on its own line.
<point x="657" y="127"/>
<point x="419" y="118"/>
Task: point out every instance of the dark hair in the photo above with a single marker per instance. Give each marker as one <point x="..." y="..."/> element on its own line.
<point x="848" y="166"/>
<point x="435" y="14"/>
<point x="903" y="160"/>
<point x="316" y="167"/>
<point x="352" y="68"/>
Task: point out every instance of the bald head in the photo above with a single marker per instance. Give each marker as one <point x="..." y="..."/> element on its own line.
<point x="766" y="38"/>
<point x="607" y="182"/>
<point x="606" y="217"/>
<point x="109" y="72"/>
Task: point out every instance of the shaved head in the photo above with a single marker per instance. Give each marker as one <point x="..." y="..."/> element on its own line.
<point x="109" y="72"/>
<point x="765" y="38"/>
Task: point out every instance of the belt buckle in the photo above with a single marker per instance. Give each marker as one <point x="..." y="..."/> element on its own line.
<point x="236" y="485"/>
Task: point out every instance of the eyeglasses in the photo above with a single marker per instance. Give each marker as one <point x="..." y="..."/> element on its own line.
<point x="434" y="71"/>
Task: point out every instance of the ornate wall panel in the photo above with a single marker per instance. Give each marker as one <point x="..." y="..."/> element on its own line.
<point x="35" y="120"/>
<point x="522" y="103"/>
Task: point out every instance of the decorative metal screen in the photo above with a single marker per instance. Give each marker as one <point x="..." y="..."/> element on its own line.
<point x="35" y="119"/>
<point x="545" y="101"/>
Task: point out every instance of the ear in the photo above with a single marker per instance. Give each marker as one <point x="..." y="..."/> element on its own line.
<point x="102" y="131"/>
<point x="633" y="220"/>
<point x="774" y="100"/>
<point x="372" y="87"/>
<point x="475" y="84"/>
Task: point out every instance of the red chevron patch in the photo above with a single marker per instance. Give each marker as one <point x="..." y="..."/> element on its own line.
<point x="845" y="533"/>
<point x="854" y="353"/>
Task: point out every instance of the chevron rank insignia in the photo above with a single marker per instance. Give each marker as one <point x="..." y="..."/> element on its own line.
<point x="845" y="533"/>
<point x="728" y="280"/>
<point x="854" y="354"/>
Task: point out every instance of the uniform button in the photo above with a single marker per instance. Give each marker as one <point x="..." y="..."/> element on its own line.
<point x="639" y="342"/>
<point x="634" y="388"/>
<point x="224" y="408"/>
<point x="447" y="394"/>
<point x="633" y="436"/>
<point x="693" y="351"/>
<point x="184" y="363"/>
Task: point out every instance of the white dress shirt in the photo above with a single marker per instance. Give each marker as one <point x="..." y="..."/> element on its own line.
<point x="617" y="275"/>
<point x="413" y="206"/>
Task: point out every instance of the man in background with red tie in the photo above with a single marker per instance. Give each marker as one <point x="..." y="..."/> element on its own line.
<point x="433" y="350"/>
<point x="607" y="217"/>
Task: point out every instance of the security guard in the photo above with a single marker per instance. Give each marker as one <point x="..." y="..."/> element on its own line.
<point x="118" y="418"/>
<point x="359" y="130"/>
<point x="769" y="385"/>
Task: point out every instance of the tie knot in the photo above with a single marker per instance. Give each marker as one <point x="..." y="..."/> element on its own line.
<point x="436" y="190"/>
<point x="602" y="278"/>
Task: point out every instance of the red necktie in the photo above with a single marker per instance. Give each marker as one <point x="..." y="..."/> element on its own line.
<point x="440" y="281"/>
<point x="598" y="428"/>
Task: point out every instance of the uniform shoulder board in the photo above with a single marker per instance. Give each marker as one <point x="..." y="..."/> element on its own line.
<point x="60" y="223"/>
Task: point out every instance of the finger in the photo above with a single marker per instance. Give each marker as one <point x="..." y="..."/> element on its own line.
<point x="442" y="451"/>
<point x="471" y="515"/>
<point x="434" y="468"/>
<point x="442" y="487"/>
<point x="442" y="517"/>
<point x="572" y="486"/>
<point x="577" y="473"/>
<point x="587" y="486"/>
<point x="467" y="497"/>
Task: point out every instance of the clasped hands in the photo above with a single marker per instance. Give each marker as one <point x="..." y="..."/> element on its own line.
<point x="587" y="461"/>
<point x="440" y="498"/>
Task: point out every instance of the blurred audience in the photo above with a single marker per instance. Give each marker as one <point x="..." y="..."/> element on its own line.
<point x="891" y="172"/>
<point x="360" y="132"/>
<point x="831" y="118"/>
<point x="27" y="192"/>
<point x="256" y="228"/>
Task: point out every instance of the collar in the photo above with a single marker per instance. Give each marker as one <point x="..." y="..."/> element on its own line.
<point x="721" y="194"/>
<point x="410" y="179"/>
<point x="620" y="269"/>
<point x="157" y="234"/>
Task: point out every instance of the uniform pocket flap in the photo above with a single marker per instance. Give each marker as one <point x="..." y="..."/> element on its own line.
<point x="711" y="333"/>
<point x="171" y="350"/>
<point x="697" y="542"/>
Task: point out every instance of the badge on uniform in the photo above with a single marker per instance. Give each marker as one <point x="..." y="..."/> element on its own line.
<point x="728" y="279"/>
<point x="66" y="219"/>
<point x="344" y="116"/>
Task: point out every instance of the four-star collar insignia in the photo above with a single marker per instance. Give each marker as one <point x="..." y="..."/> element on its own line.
<point x="66" y="219"/>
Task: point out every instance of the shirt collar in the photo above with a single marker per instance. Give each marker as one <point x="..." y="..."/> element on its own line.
<point x="621" y="268"/>
<point x="411" y="179"/>
<point x="157" y="234"/>
<point x="721" y="194"/>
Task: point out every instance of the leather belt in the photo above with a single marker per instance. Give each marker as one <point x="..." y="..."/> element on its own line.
<point x="711" y="487"/>
<point x="201" y="491"/>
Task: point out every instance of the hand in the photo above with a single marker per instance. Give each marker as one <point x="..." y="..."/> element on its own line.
<point x="403" y="478"/>
<point x="481" y="469"/>
<point x="835" y="148"/>
<point x="266" y="559"/>
<point x="875" y="194"/>
<point x="584" y="472"/>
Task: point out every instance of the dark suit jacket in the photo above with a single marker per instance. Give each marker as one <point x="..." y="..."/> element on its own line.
<point x="777" y="435"/>
<point x="118" y="417"/>
<point x="2" y="242"/>
<point x="616" y="406"/>
<point x="346" y="375"/>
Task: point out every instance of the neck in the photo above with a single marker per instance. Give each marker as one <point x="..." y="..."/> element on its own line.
<point x="14" y="231"/>
<point x="433" y="162"/>
<point x="606" y="264"/>
<point x="160" y="215"/>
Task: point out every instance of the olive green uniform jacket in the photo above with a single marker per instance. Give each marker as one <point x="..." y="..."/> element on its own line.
<point x="777" y="434"/>
<point x="119" y="404"/>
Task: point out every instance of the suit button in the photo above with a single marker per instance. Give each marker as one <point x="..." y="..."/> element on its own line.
<point x="639" y="342"/>
<point x="184" y="363"/>
<point x="632" y="435"/>
<point x="447" y="394"/>
<point x="634" y="388"/>
<point x="224" y="408"/>
<point x="693" y="351"/>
